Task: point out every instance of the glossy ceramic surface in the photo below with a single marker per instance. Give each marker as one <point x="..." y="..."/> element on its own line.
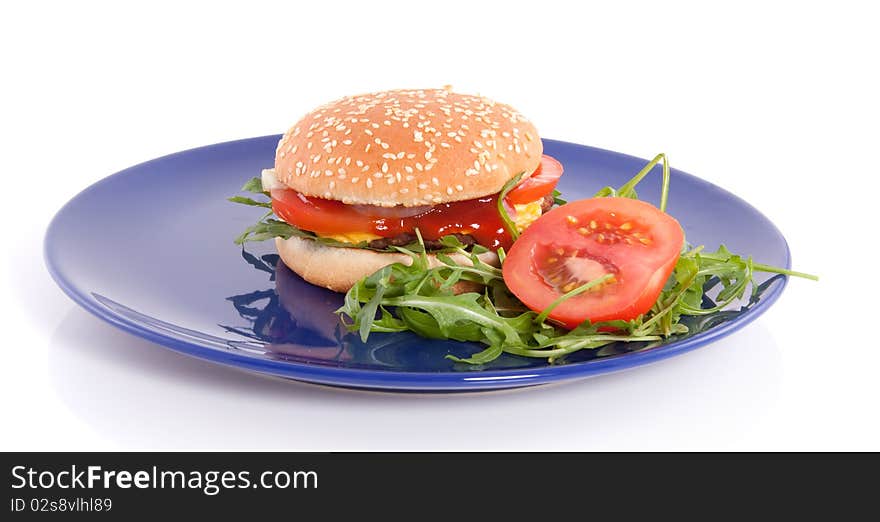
<point x="150" y="250"/>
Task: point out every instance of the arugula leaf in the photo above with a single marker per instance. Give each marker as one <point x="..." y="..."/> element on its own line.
<point x="254" y="185"/>
<point x="509" y="225"/>
<point x="248" y="201"/>
<point x="558" y="199"/>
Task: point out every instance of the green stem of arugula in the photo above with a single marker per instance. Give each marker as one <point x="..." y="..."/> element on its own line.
<point x="509" y="225"/>
<point x="627" y="188"/>
<point x="760" y="267"/>
<point x="568" y="295"/>
<point x="593" y="342"/>
<point x="645" y="327"/>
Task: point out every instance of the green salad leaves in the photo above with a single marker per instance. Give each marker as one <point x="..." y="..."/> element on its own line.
<point x="420" y="298"/>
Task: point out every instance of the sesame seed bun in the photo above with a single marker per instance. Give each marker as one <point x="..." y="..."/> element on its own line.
<point x="340" y="268"/>
<point x="407" y="147"/>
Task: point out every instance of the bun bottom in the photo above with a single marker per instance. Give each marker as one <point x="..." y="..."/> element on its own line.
<point x="338" y="269"/>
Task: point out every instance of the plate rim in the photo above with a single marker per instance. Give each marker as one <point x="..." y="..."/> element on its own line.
<point x="392" y="380"/>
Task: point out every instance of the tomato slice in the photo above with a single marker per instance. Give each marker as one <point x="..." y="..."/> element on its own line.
<point x="539" y="184"/>
<point x="477" y="217"/>
<point x="634" y="241"/>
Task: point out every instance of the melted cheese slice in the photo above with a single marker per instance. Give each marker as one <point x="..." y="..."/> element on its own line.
<point x="352" y="237"/>
<point x="526" y="214"/>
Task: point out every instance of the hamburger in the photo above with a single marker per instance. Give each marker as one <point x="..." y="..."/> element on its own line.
<point x="359" y="176"/>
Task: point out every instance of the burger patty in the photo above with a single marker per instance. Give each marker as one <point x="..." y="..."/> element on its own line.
<point x="406" y="238"/>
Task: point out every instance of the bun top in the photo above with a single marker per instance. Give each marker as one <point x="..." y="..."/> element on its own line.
<point x="407" y="147"/>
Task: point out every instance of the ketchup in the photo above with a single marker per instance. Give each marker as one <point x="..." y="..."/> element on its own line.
<point x="476" y="217"/>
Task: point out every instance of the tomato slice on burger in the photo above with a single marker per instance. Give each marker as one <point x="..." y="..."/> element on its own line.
<point x="632" y="241"/>
<point x="478" y="217"/>
<point x="539" y="184"/>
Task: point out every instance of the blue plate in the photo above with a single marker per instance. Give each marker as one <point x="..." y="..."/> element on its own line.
<point x="150" y="250"/>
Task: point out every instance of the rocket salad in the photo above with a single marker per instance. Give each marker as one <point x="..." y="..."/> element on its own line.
<point x="587" y="274"/>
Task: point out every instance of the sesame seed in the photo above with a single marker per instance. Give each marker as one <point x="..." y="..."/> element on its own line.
<point x="435" y="181"/>
<point x="355" y="179"/>
<point x="449" y="190"/>
<point x="459" y="188"/>
<point x="369" y="183"/>
<point x="423" y="186"/>
<point x="346" y="142"/>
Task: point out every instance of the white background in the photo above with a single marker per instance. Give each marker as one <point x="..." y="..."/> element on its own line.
<point x="776" y="102"/>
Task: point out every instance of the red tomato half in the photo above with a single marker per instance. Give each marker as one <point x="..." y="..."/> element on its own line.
<point x="634" y="241"/>
<point x="477" y="217"/>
